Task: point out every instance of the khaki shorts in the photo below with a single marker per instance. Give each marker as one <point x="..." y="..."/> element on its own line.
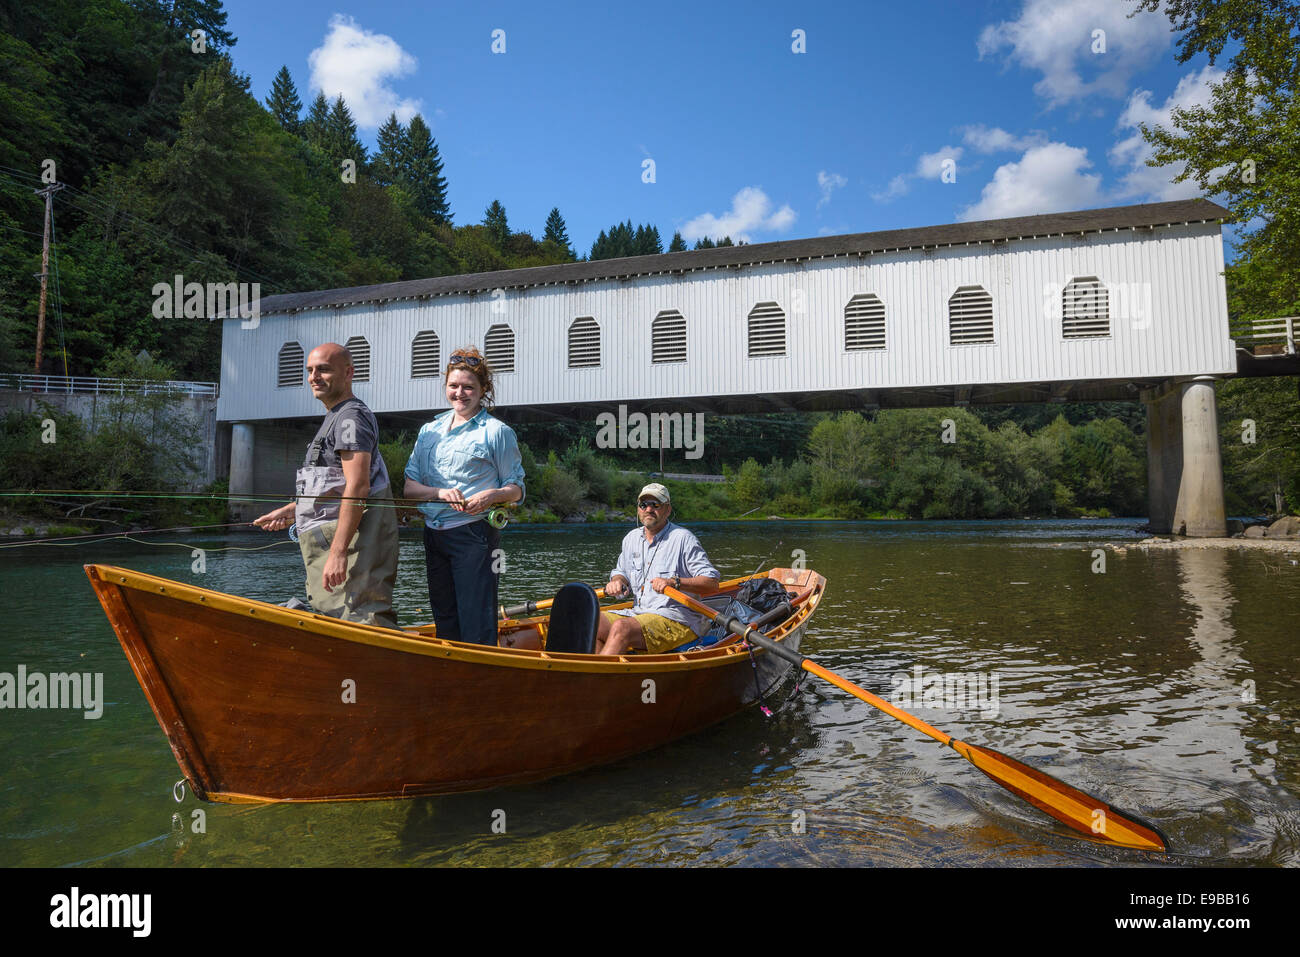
<point x="661" y="634"/>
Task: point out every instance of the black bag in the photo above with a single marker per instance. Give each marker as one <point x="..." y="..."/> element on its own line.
<point x="753" y="599"/>
<point x="762" y="594"/>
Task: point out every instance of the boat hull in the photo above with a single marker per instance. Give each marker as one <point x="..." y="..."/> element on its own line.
<point x="262" y="703"/>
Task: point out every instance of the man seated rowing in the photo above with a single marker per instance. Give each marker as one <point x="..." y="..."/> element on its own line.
<point x="655" y="555"/>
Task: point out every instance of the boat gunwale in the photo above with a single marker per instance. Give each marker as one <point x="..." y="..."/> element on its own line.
<point x="324" y="626"/>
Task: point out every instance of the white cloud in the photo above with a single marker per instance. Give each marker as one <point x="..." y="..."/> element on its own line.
<point x="360" y="65"/>
<point x="1155" y="183"/>
<point x="932" y="165"/>
<point x="1046" y="179"/>
<point x="928" y="166"/>
<point x="828" y="183"/>
<point x="751" y="210"/>
<point x="982" y="139"/>
<point x="1057" y="38"/>
<point x="896" y="188"/>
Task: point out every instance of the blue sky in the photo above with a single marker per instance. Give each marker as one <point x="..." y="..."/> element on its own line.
<point x="1023" y="104"/>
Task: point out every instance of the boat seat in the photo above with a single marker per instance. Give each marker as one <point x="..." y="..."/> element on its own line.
<point x="575" y="616"/>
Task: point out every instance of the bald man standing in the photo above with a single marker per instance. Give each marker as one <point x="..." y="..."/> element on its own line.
<point x="350" y="550"/>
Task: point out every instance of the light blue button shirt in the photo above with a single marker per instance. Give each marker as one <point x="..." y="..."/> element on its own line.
<point x="674" y="551"/>
<point x="476" y="456"/>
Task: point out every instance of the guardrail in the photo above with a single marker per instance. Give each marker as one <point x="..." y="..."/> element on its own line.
<point x="1270" y="331"/>
<point x="678" y="476"/>
<point x="85" y="385"/>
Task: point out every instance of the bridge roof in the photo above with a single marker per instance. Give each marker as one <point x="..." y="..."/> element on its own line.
<point x="1148" y="215"/>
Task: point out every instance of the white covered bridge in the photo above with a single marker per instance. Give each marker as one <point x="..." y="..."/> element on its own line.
<point x="1083" y="306"/>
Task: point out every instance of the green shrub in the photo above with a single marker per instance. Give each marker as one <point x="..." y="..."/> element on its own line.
<point x="747" y="486"/>
<point x="566" y="493"/>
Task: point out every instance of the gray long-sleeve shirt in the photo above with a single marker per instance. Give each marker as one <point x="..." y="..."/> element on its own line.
<point x="674" y="551"/>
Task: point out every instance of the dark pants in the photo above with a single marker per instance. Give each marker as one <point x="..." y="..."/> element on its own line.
<point x="462" y="583"/>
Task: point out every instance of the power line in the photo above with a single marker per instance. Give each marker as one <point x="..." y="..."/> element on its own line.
<point x="159" y="234"/>
<point x="16" y="229"/>
<point x="98" y="209"/>
<point x="58" y="296"/>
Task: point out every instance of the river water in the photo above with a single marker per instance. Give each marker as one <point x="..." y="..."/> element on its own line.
<point x="1166" y="683"/>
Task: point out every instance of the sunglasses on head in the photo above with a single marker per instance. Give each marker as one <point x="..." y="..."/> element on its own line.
<point x="471" y="361"/>
<point x="651" y="504"/>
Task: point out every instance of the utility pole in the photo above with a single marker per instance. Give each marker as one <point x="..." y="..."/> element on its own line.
<point x="48" y="192"/>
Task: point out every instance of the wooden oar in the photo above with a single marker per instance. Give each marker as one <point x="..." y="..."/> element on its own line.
<point x="532" y="607"/>
<point x="1081" y="812"/>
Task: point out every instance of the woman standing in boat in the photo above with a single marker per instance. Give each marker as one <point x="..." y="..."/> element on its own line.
<point x="464" y="462"/>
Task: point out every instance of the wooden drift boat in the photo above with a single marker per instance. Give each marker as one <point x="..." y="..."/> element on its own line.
<point x="264" y="703"/>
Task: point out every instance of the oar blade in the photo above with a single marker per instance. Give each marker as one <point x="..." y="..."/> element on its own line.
<point x="1081" y="812"/>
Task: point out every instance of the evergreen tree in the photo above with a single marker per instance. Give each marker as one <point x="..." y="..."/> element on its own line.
<point x="284" y="103"/>
<point x="315" y="127"/>
<point x="341" y="135"/>
<point x="623" y="240"/>
<point x="678" y="245"/>
<point x="172" y="22"/>
<point x="725" y="241"/>
<point x="423" y="173"/>
<point x="556" y="232"/>
<point x="705" y="243"/>
<point x="494" y="218"/>
<point x="387" y="168"/>
<point x="650" y="243"/>
<point x="183" y="16"/>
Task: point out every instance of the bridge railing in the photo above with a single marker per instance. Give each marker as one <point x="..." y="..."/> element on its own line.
<point x="85" y="385"/>
<point x="1268" y="332"/>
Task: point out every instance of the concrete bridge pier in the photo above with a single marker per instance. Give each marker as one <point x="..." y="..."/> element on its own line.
<point x="242" y="442"/>
<point x="1184" y="470"/>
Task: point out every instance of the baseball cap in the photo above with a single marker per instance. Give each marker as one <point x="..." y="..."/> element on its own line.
<point x="656" y="492"/>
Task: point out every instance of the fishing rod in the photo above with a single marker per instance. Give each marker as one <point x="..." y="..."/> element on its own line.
<point x="67" y="540"/>
<point x="498" y="515"/>
<point x="202" y="496"/>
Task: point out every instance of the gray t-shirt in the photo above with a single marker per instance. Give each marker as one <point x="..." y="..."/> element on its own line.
<point x="348" y="427"/>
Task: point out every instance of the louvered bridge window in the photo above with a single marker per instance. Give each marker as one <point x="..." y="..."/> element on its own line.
<point x="291" y="365"/>
<point x="499" y="348"/>
<point x="668" y="337"/>
<point x="584" y="343"/>
<point x="864" y="323"/>
<point x="1085" y="309"/>
<point x="359" y="348"/>
<point x="970" y="316"/>
<point x="766" y="330"/>
<point x="426" y="355"/>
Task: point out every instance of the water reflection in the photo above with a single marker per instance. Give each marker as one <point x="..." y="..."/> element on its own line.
<point x="1128" y="684"/>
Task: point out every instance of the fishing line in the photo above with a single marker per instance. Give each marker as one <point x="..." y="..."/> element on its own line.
<point x="65" y="541"/>
<point x="498" y="517"/>
<point x="371" y="501"/>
